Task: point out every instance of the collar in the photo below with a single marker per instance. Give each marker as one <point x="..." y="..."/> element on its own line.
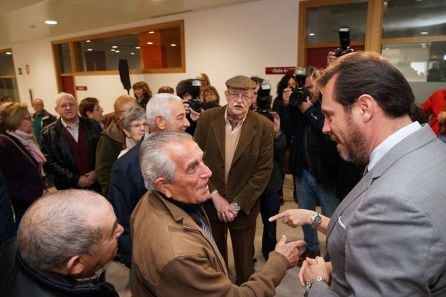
<point x="390" y="142"/>
<point x="239" y="124"/>
<point x="70" y="126"/>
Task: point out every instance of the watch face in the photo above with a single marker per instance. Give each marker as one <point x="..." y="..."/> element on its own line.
<point x="317" y="220"/>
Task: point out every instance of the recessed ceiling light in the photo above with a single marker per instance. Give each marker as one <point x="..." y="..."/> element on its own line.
<point x="112" y="50"/>
<point x="149" y="42"/>
<point x="117" y="51"/>
<point x="88" y="41"/>
<point x="311" y="34"/>
<point x="151" y="32"/>
<point x="51" y="22"/>
<point x="8" y="53"/>
<point x="137" y="47"/>
<point x="114" y="46"/>
<point x="424" y="33"/>
<point x="90" y="49"/>
<point x="444" y="57"/>
<point x="173" y="44"/>
<point x="132" y="53"/>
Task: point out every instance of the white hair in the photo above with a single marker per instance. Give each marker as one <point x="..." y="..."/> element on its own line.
<point x="160" y="105"/>
<point x="61" y="95"/>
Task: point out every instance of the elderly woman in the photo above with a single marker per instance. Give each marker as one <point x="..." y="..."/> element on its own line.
<point x="112" y="141"/>
<point x="21" y="160"/>
<point x="134" y="126"/>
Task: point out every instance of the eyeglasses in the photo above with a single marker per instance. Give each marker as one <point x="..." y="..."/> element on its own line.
<point x="144" y="125"/>
<point x="235" y="96"/>
<point x="67" y="105"/>
<point x="28" y="118"/>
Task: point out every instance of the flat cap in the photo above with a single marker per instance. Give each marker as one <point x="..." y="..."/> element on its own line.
<point x="241" y="82"/>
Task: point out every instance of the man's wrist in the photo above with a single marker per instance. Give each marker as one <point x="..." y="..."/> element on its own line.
<point x="311" y="282"/>
<point x="235" y="206"/>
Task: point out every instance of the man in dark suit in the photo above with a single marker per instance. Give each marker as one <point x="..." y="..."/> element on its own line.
<point x="238" y="146"/>
<point x="69" y="145"/>
<point x="165" y="112"/>
<point x="388" y="236"/>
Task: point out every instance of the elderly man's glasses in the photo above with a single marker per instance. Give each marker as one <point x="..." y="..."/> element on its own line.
<point x="67" y="105"/>
<point x="235" y="96"/>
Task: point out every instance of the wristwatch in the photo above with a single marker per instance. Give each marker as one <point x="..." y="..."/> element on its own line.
<point x="235" y="206"/>
<point x="310" y="283"/>
<point x="316" y="220"/>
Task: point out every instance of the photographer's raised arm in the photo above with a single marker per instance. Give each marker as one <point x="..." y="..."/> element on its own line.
<point x="299" y="217"/>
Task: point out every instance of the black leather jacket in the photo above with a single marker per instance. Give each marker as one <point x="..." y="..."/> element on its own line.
<point x="56" y="148"/>
<point x="23" y="281"/>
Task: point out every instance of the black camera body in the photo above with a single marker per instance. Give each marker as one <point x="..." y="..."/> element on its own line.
<point x="264" y="100"/>
<point x="344" y="40"/>
<point x="195" y="104"/>
<point x="300" y="93"/>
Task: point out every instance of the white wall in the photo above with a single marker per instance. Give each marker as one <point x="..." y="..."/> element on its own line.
<point x="222" y="42"/>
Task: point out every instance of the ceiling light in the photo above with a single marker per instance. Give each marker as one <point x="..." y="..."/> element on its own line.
<point x="137" y="47"/>
<point x="173" y="44"/>
<point x="114" y="46"/>
<point x="311" y="34"/>
<point x="444" y="57"/>
<point x="112" y="50"/>
<point x="88" y="41"/>
<point x="149" y="42"/>
<point x="90" y="49"/>
<point x="51" y="22"/>
<point x="424" y="33"/>
<point x="8" y="53"/>
<point x="117" y="51"/>
<point x="132" y="53"/>
<point x="151" y="32"/>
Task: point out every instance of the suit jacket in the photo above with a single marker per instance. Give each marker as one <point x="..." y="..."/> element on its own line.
<point x="60" y="161"/>
<point x="251" y="166"/>
<point x="388" y="236"/>
<point x="126" y="189"/>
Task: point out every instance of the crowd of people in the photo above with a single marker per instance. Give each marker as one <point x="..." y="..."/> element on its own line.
<point x="180" y="172"/>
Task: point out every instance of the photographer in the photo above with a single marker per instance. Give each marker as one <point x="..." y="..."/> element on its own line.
<point x="270" y="198"/>
<point x="314" y="158"/>
<point x="189" y="91"/>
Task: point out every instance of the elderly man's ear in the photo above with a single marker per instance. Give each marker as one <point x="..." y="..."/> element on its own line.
<point x="160" y="122"/>
<point x="73" y="268"/>
<point x="163" y="186"/>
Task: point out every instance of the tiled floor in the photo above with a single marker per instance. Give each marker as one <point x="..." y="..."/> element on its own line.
<point x="117" y="274"/>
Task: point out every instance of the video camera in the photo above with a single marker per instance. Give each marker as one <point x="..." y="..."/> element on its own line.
<point x="194" y="90"/>
<point x="300" y="93"/>
<point x="264" y="100"/>
<point x="344" y="40"/>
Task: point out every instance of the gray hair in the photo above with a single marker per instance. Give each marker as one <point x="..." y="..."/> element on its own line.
<point x="159" y="106"/>
<point x="55" y="228"/>
<point x="133" y="114"/>
<point x="61" y="95"/>
<point x="155" y="161"/>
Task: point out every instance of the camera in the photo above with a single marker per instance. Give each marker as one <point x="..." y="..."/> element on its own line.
<point x="195" y="104"/>
<point x="263" y="101"/>
<point x="300" y="93"/>
<point x="344" y="40"/>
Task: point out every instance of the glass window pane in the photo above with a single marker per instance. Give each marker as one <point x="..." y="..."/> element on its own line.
<point x="418" y="61"/>
<point x="404" y="18"/>
<point x="63" y="52"/>
<point x="6" y="64"/>
<point x="161" y="48"/>
<point x="324" y="22"/>
<point x="104" y="53"/>
<point x="8" y="87"/>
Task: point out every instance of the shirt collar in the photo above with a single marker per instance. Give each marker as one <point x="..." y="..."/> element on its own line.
<point x="239" y="123"/>
<point x="70" y="126"/>
<point x="390" y="142"/>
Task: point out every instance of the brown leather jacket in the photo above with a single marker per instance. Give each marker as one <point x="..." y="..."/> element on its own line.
<point x="173" y="257"/>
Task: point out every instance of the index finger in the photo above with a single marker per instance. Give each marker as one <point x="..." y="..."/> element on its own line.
<point x="277" y="216"/>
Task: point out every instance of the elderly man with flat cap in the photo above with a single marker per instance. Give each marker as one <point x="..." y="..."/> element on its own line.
<point x="238" y="146"/>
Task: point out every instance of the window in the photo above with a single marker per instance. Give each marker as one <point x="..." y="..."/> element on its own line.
<point x="8" y="83"/>
<point x="154" y="48"/>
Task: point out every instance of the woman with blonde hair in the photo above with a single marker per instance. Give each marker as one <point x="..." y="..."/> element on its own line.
<point x="21" y="160"/>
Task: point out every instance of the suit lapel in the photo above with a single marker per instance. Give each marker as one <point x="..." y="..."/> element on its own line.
<point x="218" y="128"/>
<point x="246" y="135"/>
